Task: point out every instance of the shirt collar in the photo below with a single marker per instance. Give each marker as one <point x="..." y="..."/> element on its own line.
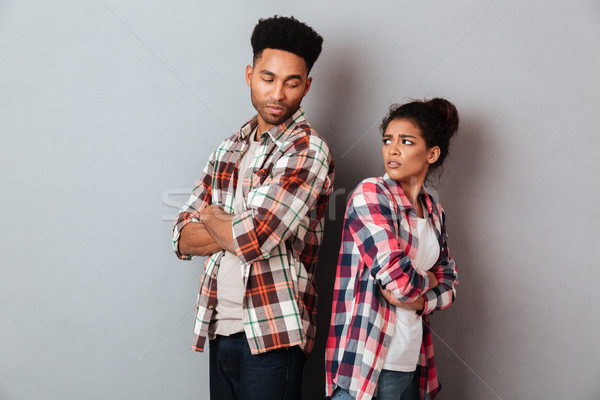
<point x="401" y="198"/>
<point x="277" y="132"/>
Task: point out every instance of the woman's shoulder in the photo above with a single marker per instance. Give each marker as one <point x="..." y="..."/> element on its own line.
<point x="372" y="184"/>
<point x="371" y="189"/>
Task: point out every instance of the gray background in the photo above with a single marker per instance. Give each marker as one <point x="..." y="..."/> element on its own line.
<point x="109" y="110"/>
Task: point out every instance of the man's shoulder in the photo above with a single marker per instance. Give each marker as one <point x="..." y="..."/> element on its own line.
<point x="303" y="137"/>
<point x="228" y="143"/>
<point x="245" y="130"/>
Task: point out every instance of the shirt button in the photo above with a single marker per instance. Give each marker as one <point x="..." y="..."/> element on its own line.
<point x="210" y="307"/>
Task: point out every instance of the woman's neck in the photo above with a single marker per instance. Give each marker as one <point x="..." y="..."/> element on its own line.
<point x="411" y="191"/>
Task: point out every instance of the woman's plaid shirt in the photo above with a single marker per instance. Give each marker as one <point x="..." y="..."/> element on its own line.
<point x="277" y="238"/>
<point x="378" y="243"/>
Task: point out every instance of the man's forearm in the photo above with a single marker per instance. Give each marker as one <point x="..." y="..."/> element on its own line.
<point x="219" y="225"/>
<point x="195" y="240"/>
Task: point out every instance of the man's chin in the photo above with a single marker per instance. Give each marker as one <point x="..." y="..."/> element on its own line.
<point x="275" y="120"/>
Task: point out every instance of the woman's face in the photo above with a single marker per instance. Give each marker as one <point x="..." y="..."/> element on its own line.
<point x="405" y="153"/>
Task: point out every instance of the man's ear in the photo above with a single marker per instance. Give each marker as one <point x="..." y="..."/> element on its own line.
<point x="248" y="74"/>
<point x="308" y="82"/>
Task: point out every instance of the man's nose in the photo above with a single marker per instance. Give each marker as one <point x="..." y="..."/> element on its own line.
<point x="278" y="92"/>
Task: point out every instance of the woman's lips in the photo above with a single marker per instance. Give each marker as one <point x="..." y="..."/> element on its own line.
<point x="393" y="164"/>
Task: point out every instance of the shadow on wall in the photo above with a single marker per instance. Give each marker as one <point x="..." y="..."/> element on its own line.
<point x="335" y="97"/>
<point x="455" y="338"/>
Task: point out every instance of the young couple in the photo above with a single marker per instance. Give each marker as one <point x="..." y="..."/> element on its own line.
<point x="257" y="212"/>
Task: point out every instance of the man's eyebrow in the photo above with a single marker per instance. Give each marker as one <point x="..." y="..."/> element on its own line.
<point x="267" y="72"/>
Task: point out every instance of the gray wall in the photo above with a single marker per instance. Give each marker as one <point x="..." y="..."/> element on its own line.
<point x="109" y="109"/>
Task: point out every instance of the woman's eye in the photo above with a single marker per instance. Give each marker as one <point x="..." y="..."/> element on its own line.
<point x="406" y="141"/>
<point x="387" y="141"/>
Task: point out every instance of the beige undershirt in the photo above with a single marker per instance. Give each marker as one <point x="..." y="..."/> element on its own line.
<point x="228" y="318"/>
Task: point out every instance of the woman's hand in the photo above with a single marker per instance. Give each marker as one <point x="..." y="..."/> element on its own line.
<point x="390" y="297"/>
<point x="416" y="305"/>
<point x="432" y="279"/>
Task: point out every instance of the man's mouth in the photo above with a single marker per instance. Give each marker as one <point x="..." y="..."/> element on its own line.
<point x="275" y="109"/>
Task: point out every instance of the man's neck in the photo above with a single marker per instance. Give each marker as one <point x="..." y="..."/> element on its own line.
<point x="255" y="135"/>
<point x="262" y="126"/>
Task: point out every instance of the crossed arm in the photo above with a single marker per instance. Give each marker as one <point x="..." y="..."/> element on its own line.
<point x="416" y="305"/>
<point x="212" y="234"/>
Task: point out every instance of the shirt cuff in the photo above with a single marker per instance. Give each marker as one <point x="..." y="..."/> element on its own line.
<point x="430" y="302"/>
<point x="245" y="241"/>
<point x="176" y="236"/>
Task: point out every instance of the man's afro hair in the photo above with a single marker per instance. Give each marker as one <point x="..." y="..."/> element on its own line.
<point x="289" y="34"/>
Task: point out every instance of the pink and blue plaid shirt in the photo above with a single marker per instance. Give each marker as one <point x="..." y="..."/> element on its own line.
<point x="379" y="243"/>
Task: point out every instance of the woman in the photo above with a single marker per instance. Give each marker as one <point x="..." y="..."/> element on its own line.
<point x="394" y="268"/>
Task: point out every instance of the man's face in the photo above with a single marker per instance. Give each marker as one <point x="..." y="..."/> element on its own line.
<point x="278" y="81"/>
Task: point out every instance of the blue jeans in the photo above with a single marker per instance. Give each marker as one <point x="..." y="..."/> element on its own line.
<point x="392" y="385"/>
<point x="236" y="374"/>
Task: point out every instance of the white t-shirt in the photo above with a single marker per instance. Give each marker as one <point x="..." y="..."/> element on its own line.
<point x="405" y="346"/>
<point x="227" y="318"/>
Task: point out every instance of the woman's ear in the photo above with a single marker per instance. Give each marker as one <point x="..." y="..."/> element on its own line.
<point x="434" y="154"/>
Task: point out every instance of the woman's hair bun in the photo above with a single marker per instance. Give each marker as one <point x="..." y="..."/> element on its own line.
<point x="447" y="112"/>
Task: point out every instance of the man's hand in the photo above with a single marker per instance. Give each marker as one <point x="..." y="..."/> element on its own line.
<point x="194" y="240"/>
<point x="218" y="224"/>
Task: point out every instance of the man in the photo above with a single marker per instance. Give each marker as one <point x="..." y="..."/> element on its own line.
<point x="258" y="212"/>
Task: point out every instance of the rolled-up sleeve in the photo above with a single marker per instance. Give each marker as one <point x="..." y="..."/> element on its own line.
<point x="280" y="203"/>
<point x="445" y="272"/>
<point x="190" y="212"/>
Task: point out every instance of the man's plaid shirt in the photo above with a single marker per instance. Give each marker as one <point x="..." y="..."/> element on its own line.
<point x="278" y="235"/>
<point x="379" y="243"/>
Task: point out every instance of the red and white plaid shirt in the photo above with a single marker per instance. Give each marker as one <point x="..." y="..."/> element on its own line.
<point x="278" y="235"/>
<point x="379" y="243"/>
